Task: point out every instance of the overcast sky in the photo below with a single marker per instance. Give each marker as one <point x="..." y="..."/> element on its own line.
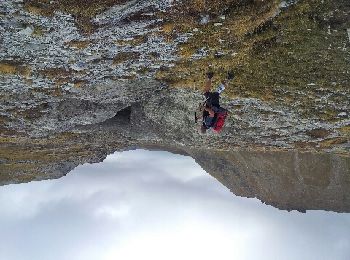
<point x="156" y="205"/>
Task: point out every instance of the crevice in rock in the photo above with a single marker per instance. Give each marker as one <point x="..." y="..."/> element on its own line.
<point x="122" y="118"/>
<point x="124" y="114"/>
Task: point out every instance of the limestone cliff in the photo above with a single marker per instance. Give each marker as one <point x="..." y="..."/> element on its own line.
<point x="82" y="79"/>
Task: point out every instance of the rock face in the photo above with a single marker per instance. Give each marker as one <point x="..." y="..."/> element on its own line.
<point x="79" y="82"/>
<point x="288" y="180"/>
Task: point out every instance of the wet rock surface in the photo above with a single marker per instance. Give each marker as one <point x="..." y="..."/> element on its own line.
<point x="71" y="94"/>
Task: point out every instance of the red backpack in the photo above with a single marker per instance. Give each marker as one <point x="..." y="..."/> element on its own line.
<point x="220" y="119"/>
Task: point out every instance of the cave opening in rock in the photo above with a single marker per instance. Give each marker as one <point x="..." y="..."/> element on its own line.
<point x="124" y="114"/>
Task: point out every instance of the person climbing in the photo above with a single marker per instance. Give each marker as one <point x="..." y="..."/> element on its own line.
<point x="212" y="113"/>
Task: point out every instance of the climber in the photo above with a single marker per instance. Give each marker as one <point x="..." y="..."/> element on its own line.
<point x="213" y="115"/>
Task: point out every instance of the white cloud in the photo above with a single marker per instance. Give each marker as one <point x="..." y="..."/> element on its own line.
<point x="155" y="205"/>
<point x="114" y="212"/>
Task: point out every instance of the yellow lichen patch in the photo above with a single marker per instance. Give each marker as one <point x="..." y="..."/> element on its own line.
<point x="200" y="5"/>
<point x="143" y="70"/>
<point x="333" y="141"/>
<point x="268" y="95"/>
<point x="168" y="27"/>
<point x="65" y="136"/>
<point x="329" y="115"/>
<point x="304" y="145"/>
<point x="318" y="133"/>
<point x="83" y="10"/>
<point x="86" y="8"/>
<point x="133" y="41"/>
<point x="10" y="67"/>
<point x="56" y="73"/>
<point x="61" y="81"/>
<point x="186" y="54"/>
<point x="125" y="56"/>
<point x="78" y="44"/>
<point x="80" y="83"/>
<point x="345" y="130"/>
<point x="8" y="139"/>
<point x="57" y="91"/>
<point x="39" y="7"/>
<point x="34" y="10"/>
<point x="26" y="71"/>
<point x="7" y="68"/>
<point x="38" y="31"/>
